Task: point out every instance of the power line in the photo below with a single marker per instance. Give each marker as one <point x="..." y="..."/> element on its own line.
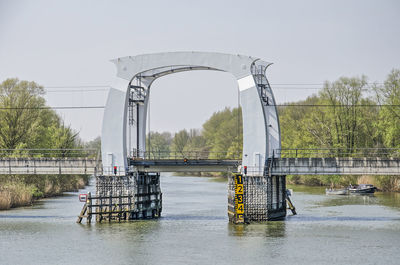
<point x="60" y="107"/>
<point x="273" y="88"/>
<point x="273" y="105"/>
<point x="315" y="84"/>
<point x="103" y="88"/>
<point x="332" y="105"/>
<point x="82" y="91"/>
<point x="313" y="88"/>
<point x="272" y="84"/>
<point x="70" y="90"/>
<point x="78" y="86"/>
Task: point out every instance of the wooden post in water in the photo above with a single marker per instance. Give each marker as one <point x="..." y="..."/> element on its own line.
<point x="82" y="214"/>
<point x="100" y="216"/>
<point x="129" y="204"/>
<point x="119" y="206"/>
<point x="110" y="206"/>
<point x="89" y="201"/>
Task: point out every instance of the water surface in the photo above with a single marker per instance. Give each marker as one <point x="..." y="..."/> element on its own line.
<point x="194" y="229"/>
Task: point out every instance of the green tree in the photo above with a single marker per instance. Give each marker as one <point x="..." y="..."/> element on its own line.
<point x="338" y="118"/>
<point x="223" y="133"/>
<point x="94" y="144"/>
<point x="26" y="121"/>
<point x="160" y="144"/>
<point x="21" y="102"/>
<point x="344" y="97"/>
<point x="179" y="141"/>
<point x="389" y="116"/>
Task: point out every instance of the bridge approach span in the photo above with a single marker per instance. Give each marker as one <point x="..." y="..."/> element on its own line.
<point x="47" y="166"/>
<point x="336" y="166"/>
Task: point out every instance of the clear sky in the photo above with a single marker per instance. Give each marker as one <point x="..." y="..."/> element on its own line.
<point x="69" y="43"/>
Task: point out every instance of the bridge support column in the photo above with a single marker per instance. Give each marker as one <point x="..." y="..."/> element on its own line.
<point x="148" y="196"/>
<point x="112" y="191"/>
<point x="264" y="198"/>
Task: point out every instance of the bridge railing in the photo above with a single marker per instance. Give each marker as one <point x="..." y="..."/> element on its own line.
<point x="49" y="161"/>
<point x="48" y="153"/>
<point x="175" y="155"/>
<point x="338" y="152"/>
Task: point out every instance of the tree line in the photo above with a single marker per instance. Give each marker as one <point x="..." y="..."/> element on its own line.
<point x="27" y="123"/>
<point x="220" y="137"/>
<point x="346" y="116"/>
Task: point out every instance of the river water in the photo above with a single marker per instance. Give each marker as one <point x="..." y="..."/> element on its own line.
<point x="194" y="229"/>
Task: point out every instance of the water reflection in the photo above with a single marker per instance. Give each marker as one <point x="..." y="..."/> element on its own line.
<point x="124" y="229"/>
<point x="272" y="229"/>
<point x="312" y="218"/>
<point x="340" y="200"/>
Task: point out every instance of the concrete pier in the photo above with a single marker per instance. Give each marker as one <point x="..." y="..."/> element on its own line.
<point x="264" y="198"/>
<point x="144" y="188"/>
<point x="148" y="196"/>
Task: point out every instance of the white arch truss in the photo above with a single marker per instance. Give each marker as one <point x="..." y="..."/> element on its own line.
<point x="135" y="75"/>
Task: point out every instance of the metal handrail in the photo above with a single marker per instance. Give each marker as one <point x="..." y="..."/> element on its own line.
<point x="338" y="152"/>
<point x="47" y="152"/>
<point x="196" y="155"/>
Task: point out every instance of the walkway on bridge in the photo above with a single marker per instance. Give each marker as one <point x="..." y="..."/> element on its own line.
<point x="365" y="161"/>
<point x="49" y="162"/>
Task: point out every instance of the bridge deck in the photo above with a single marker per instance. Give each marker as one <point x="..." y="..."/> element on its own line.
<point x="181" y="165"/>
<point x="47" y="166"/>
<point x="336" y="166"/>
<point x="280" y="166"/>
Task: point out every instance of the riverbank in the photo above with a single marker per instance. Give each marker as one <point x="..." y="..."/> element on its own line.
<point x="383" y="183"/>
<point x="23" y="190"/>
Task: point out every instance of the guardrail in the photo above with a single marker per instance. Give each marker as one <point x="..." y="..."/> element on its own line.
<point x="337" y="152"/>
<point x="192" y="155"/>
<point x="49" y="153"/>
<point x="335" y="166"/>
<point x="47" y="166"/>
<point x="49" y="161"/>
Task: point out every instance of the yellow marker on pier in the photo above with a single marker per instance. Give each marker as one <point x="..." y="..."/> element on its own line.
<point x="239" y="198"/>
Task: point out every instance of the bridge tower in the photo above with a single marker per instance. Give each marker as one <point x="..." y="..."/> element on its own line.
<point x="124" y="128"/>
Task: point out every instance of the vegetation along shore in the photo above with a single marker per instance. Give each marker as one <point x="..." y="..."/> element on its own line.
<point x="27" y="123"/>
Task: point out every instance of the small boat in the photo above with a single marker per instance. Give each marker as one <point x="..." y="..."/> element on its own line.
<point x="336" y="191"/>
<point x="362" y="189"/>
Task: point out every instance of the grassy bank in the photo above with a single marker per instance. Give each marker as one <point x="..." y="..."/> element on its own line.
<point x="384" y="183"/>
<point x="22" y="190"/>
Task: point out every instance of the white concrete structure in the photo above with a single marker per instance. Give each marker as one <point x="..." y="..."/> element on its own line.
<point x="135" y="75"/>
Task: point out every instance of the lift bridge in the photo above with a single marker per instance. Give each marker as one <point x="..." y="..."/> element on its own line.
<point x="257" y="187"/>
